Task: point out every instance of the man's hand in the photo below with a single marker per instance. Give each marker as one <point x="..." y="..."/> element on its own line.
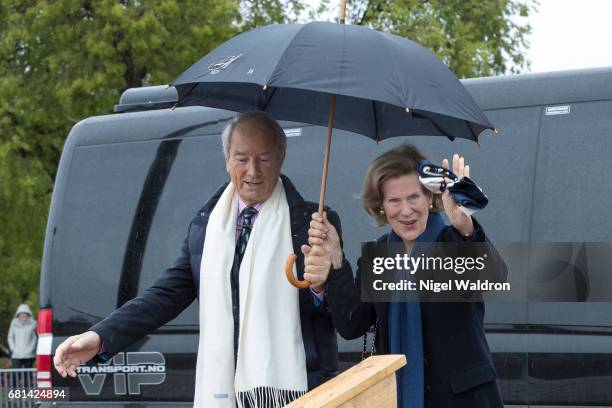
<point x="317" y="264"/>
<point x="74" y="351"/>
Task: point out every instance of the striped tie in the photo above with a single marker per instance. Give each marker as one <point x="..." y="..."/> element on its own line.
<point x="241" y="244"/>
<point x="245" y="233"/>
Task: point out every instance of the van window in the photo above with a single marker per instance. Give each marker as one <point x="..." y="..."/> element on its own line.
<point x="126" y="209"/>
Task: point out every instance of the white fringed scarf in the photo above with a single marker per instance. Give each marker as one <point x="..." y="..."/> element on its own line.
<point x="271" y="367"/>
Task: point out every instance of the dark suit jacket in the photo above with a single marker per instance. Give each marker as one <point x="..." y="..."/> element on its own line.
<point x="178" y="286"/>
<point x="459" y="370"/>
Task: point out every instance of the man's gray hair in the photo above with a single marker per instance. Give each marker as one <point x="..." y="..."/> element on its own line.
<point x="259" y="119"/>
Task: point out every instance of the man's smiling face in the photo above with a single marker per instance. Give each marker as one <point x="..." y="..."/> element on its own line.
<point x="253" y="163"/>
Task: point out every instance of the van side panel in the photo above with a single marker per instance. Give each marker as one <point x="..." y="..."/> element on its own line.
<point x="571" y="351"/>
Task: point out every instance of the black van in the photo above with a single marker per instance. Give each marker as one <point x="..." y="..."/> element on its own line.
<point x="129" y="183"/>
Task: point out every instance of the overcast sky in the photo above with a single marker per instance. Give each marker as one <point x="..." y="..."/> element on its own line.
<point x="569" y="34"/>
<point x="566" y="34"/>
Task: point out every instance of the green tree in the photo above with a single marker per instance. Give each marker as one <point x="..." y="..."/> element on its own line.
<point x="23" y="210"/>
<point x="256" y="13"/>
<point x="62" y="61"/>
<point x="473" y="37"/>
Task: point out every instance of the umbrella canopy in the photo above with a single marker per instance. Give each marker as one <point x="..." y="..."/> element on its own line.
<point x="385" y="85"/>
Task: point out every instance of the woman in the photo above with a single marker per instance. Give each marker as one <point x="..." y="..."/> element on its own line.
<point x="449" y="362"/>
<point x="22" y="338"/>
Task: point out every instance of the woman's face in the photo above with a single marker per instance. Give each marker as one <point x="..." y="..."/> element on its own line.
<point x="406" y="206"/>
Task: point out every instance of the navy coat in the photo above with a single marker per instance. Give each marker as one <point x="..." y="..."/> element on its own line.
<point x="458" y="367"/>
<point x="178" y="286"/>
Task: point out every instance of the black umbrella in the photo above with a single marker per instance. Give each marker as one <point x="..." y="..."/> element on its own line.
<point x="335" y="75"/>
<point x="386" y="85"/>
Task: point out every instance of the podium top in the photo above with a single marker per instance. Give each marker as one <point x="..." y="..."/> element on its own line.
<point x="351" y="383"/>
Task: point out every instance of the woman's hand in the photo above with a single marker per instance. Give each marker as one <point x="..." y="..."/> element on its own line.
<point x="460" y="220"/>
<point x="323" y="233"/>
<point x="316" y="266"/>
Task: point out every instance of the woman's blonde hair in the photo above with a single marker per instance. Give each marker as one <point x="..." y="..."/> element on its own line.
<point x="400" y="161"/>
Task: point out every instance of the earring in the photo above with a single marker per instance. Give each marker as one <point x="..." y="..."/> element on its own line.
<point x="431" y="206"/>
<point x="381" y="211"/>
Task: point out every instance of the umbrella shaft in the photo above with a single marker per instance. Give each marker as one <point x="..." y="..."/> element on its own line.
<point x="330" y="126"/>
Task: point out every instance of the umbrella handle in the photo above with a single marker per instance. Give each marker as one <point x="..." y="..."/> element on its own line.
<point x="289" y="273"/>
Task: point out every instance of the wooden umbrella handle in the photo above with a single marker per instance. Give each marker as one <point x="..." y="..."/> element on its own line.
<point x="289" y="273"/>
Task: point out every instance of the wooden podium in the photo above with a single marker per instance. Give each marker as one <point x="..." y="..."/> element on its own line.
<point x="370" y="383"/>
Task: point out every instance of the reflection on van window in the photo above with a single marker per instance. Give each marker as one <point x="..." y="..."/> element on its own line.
<point x="125" y="213"/>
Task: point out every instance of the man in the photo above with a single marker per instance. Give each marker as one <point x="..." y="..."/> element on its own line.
<point x="262" y="342"/>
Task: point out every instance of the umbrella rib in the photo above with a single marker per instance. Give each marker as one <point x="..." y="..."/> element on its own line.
<point x="269" y="99"/>
<point x="282" y="57"/>
<point x="469" y="125"/>
<point x="435" y="125"/>
<point x="375" y="121"/>
<point x="396" y="69"/>
<point x="187" y="93"/>
<point x="342" y="59"/>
